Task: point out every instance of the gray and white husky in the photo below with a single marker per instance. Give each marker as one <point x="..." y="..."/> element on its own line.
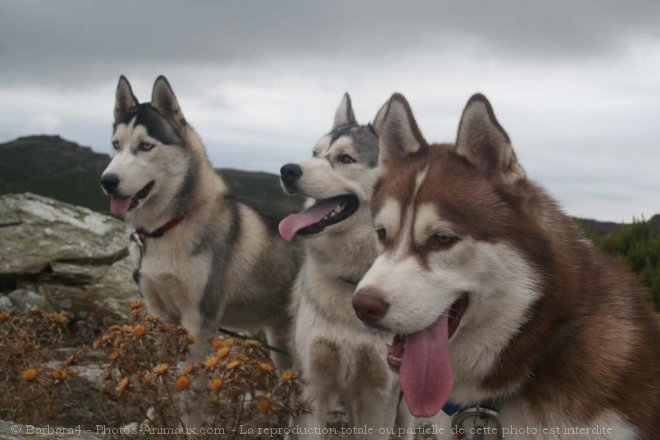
<point x="338" y="356"/>
<point x="208" y="260"/>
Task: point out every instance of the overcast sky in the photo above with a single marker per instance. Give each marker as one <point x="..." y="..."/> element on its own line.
<point x="575" y="84"/>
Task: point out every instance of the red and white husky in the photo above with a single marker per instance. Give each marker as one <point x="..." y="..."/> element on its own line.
<point x="496" y="300"/>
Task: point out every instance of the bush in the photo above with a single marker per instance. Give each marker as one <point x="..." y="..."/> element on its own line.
<point x="142" y="379"/>
<point x="637" y="247"/>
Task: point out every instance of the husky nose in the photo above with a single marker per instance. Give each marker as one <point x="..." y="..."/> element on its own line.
<point x="110" y="182"/>
<point x="369" y="305"/>
<point x="290" y="173"/>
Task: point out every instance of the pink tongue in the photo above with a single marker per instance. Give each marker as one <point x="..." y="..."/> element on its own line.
<point x="425" y="372"/>
<point x="120" y="205"/>
<point x="293" y="223"/>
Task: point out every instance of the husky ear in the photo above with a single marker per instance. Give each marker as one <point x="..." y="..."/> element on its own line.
<point x="344" y="114"/>
<point x="397" y="131"/>
<point x="164" y="100"/>
<point x="124" y="98"/>
<point x="482" y="141"/>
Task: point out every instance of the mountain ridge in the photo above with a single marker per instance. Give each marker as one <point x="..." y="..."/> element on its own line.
<point x="54" y="167"/>
<point x="64" y="170"/>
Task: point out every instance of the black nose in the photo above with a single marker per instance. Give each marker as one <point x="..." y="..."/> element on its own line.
<point x="369" y="305"/>
<point x="110" y="182"/>
<point x="290" y="173"/>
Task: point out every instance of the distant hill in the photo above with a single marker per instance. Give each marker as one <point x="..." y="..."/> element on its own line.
<point x="63" y="170"/>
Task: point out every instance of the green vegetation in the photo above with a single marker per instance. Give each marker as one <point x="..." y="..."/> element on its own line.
<point x="638" y="246"/>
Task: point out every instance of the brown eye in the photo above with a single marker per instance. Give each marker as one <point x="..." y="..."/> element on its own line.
<point x="442" y="240"/>
<point x="115" y="145"/>
<point x="382" y="234"/>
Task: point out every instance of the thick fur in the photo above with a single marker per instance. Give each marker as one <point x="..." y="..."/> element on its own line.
<point x="339" y="358"/>
<point x="222" y="265"/>
<point x="555" y="333"/>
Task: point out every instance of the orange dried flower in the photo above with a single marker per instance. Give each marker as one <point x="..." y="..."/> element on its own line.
<point x="182" y="383"/>
<point x="136" y="304"/>
<point x="30" y="374"/>
<point x="61" y="374"/>
<point x="252" y="343"/>
<point x="222" y="352"/>
<point x="140" y="330"/>
<point x="264" y="405"/>
<point x="216" y="385"/>
<point x="5" y="315"/>
<point x="161" y="368"/>
<point x="107" y="374"/>
<point x="287" y="376"/>
<point x="190" y="368"/>
<point x="153" y="318"/>
<point x="229" y="342"/>
<point x="233" y="364"/>
<point x="122" y="385"/>
<point x="113" y="356"/>
<point x="97" y="344"/>
<point x="267" y="367"/>
<point x="211" y="362"/>
<point x="217" y="344"/>
<point x="190" y="339"/>
<point x="70" y="360"/>
<point x="60" y="318"/>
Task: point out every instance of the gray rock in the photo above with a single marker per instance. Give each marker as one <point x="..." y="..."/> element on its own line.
<point x="37" y="231"/>
<point x="5" y="303"/>
<point x="57" y="256"/>
<point x="24" y="299"/>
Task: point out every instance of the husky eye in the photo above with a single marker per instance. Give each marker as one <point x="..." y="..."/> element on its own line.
<point x="145" y="146"/>
<point x="382" y="234"/>
<point x="345" y="158"/>
<point x="115" y="145"/>
<point x="442" y="240"/>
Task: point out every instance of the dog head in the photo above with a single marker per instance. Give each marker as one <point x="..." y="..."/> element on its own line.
<point x="150" y="162"/>
<point x="451" y="226"/>
<point x="337" y="180"/>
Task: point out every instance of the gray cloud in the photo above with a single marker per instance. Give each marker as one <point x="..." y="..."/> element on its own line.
<point x="73" y="39"/>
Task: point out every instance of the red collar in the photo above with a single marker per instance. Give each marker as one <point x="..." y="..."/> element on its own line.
<point x="143" y="233"/>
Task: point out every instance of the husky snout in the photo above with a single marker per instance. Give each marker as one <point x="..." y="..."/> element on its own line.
<point x="369" y="305"/>
<point x="110" y="183"/>
<point x="290" y="174"/>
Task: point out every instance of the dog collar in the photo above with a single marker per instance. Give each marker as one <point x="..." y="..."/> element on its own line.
<point x="473" y="421"/>
<point x="452" y="408"/>
<point x="156" y="233"/>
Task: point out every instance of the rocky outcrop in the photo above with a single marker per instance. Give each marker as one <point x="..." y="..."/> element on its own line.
<point x="57" y="256"/>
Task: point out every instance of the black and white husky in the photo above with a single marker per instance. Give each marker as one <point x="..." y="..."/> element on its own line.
<point x="337" y="355"/>
<point x="208" y="260"/>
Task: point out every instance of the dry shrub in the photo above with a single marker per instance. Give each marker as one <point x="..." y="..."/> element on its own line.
<point x="147" y="372"/>
<point x="33" y="385"/>
<point x="144" y="376"/>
